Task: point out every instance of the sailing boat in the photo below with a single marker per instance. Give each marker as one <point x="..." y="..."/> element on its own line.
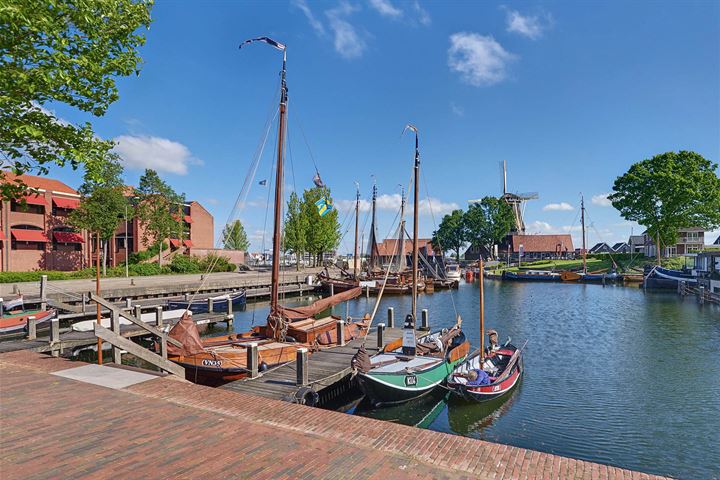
<point x="490" y="372"/>
<point x="221" y="359"/>
<point x="409" y="368"/>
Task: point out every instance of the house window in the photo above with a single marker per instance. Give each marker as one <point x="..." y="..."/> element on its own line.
<point x="27" y="208"/>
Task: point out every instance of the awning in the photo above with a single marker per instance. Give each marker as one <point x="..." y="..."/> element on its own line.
<point x="29" y="235"/>
<point x="34" y="199"/>
<point x="187" y="243"/>
<point x="70" y="203"/>
<point x="68" y="237"/>
<point x="188" y="219"/>
<point x="175" y="242"/>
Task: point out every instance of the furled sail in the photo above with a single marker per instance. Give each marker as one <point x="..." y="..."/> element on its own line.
<point x="301" y="313"/>
<point x="185" y="332"/>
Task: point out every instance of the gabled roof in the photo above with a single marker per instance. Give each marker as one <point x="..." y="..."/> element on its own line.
<point x="542" y="243"/>
<point x="388" y="247"/>
<point x="599" y="247"/>
<point x="717" y="241"/>
<point x="41" y="183"/>
<point x="619" y="245"/>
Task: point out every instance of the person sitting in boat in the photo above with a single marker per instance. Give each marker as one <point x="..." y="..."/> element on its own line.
<point x="493" y="341"/>
<point x="477" y="377"/>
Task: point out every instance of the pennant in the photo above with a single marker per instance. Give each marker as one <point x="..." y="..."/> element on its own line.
<point x="262" y="182"/>
<point x="267" y="40"/>
<point x="318" y="181"/>
<point x="324" y="207"/>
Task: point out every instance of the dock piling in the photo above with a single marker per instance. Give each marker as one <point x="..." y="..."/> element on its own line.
<point x="31" y="328"/>
<point x="391" y="318"/>
<point x="301" y="357"/>
<point x="229" y="317"/>
<point x="43" y="292"/>
<point x="55" y="336"/>
<point x="84" y="302"/>
<point x="252" y="359"/>
<point x="332" y="289"/>
<point x="380" y="335"/>
<point x="701" y="294"/>
<point x="159" y="316"/>
<point x="424" y="320"/>
<point x="210" y="305"/>
<point x="340" y="330"/>
<point x="138" y="312"/>
<point x="115" y="326"/>
<point x="128" y="303"/>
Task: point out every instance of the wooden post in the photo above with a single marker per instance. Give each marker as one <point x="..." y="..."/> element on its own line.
<point x="340" y="331"/>
<point x="701" y="294"/>
<point x="43" y="292"/>
<point x="115" y="326"/>
<point x="229" y="317"/>
<point x="84" y="302"/>
<point x="31" y="328"/>
<point x="97" y="292"/>
<point x="301" y="356"/>
<point x="367" y="292"/>
<point x="159" y="317"/>
<point x="128" y="303"/>
<point x="210" y="305"/>
<point x="252" y="359"/>
<point x="187" y="297"/>
<point x="138" y="312"/>
<point x="163" y="347"/>
<point x="380" y="335"/>
<point x="55" y="336"/>
<point x="424" y="320"/>
<point x="391" y="317"/>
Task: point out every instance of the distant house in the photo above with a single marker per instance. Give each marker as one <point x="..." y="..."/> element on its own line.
<point x="621" y="247"/>
<point x="389" y="252"/>
<point x="474" y="251"/>
<point x="717" y="241"/>
<point x="601" y="247"/>
<point x="636" y="243"/>
<point x="532" y="247"/>
<point x="689" y="240"/>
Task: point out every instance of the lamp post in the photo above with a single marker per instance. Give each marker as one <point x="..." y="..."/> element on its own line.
<point x="127" y="269"/>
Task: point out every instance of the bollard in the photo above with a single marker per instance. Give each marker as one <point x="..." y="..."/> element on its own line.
<point x="138" y="312"/>
<point x="128" y="303"/>
<point x="701" y="294"/>
<point x="391" y="317"/>
<point x="84" y="302"/>
<point x="115" y="326"/>
<point x="210" y="305"/>
<point x="31" y="328"/>
<point x="367" y="292"/>
<point x="380" y="336"/>
<point x="340" y="332"/>
<point x="159" y="317"/>
<point x="55" y="336"/>
<point x="15" y="289"/>
<point x="163" y="347"/>
<point x="252" y="359"/>
<point x="424" y="320"/>
<point x="332" y="289"/>
<point x="301" y="356"/>
<point x="229" y="317"/>
<point x="187" y="297"/>
<point x="43" y="292"/>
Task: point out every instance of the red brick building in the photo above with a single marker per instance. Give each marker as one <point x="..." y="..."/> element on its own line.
<point x="537" y="247"/>
<point x="37" y="236"/>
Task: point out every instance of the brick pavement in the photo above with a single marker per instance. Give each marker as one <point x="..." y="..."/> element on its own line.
<point x="53" y="427"/>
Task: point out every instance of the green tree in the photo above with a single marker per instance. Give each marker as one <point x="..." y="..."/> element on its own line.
<point x="451" y="232"/>
<point x="296" y="224"/>
<point x="102" y="204"/>
<point x="322" y="234"/>
<point x="159" y="210"/>
<point x="234" y="237"/>
<point x="667" y="192"/>
<point x="62" y="52"/>
<point x="487" y="223"/>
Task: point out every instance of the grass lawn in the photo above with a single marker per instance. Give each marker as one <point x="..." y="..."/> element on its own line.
<point x="599" y="262"/>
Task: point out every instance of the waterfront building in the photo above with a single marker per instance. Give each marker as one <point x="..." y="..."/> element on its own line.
<point x="689" y="240"/>
<point x="621" y="247"/>
<point x="537" y="247"/>
<point x="601" y="247"/>
<point x="707" y="269"/>
<point x="636" y="243"/>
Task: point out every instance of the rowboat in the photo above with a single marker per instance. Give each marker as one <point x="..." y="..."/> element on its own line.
<point x="15" y="323"/>
<point x="220" y="303"/>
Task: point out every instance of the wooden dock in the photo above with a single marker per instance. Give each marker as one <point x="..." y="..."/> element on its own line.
<point x="328" y="371"/>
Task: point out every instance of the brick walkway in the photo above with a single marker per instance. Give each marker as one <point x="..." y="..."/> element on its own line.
<point x="56" y="427"/>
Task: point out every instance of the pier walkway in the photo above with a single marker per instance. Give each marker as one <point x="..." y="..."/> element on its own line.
<point x="57" y="422"/>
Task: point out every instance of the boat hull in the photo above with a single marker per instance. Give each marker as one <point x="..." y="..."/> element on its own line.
<point x="523" y="277"/>
<point x="238" y="299"/>
<point x="17" y="324"/>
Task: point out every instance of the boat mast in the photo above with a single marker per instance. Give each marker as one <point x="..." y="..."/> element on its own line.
<point x="415" y="223"/>
<point x="372" y="242"/>
<point x="582" y="220"/>
<point x="482" y="309"/>
<point x="401" y="235"/>
<point x="357" y="215"/>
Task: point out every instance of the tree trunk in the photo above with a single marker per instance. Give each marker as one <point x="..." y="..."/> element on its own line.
<point x="297" y="262"/>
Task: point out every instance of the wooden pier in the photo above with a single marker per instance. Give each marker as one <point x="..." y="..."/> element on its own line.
<point x="327" y="370"/>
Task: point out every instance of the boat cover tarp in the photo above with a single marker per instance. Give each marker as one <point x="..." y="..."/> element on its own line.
<point x="185" y="332"/>
<point x="302" y="313"/>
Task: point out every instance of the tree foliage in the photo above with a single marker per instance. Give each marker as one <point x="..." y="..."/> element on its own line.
<point x="451" y="233"/>
<point x="296" y="225"/>
<point x="322" y="234"/>
<point x="234" y="237"/>
<point x="62" y="52"/>
<point x="669" y="191"/>
<point x="159" y="210"/>
<point x="487" y="223"/>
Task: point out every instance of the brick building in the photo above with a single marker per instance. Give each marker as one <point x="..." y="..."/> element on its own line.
<point x="537" y="247"/>
<point x="37" y="236"/>
<point x="689" y="240"/>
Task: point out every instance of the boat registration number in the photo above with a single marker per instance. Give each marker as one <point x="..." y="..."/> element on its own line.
<point x="410" y="380"/>
<point x="212" y="363"/>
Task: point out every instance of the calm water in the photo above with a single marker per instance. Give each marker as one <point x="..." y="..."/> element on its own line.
<point x="612" y="375"/>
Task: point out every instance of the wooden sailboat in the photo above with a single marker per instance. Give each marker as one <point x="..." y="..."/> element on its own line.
<point x="14" y="317"/>
<point x="410" y="368"/>
<point x="487" y="373"/>
<point x="217" y="360"/>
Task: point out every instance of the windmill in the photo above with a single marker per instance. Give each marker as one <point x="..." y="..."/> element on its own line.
<point x="516" y="201"/>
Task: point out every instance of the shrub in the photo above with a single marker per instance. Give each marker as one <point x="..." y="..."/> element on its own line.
<point x="219" y="263"/>
<point x="185" y="264"/>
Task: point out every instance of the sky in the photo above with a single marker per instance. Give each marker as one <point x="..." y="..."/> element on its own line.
<point x="570" y="94"/>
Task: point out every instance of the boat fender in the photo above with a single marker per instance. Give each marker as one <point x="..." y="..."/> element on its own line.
<point x="307" y="396"/>
<point x="263" y="366"/>
<point x="289" y="339"/>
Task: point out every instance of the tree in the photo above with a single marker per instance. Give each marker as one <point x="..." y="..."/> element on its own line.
<point x="296" y="224"/>
<point x="322" y="234"/>
<point x="234" y="237"/>
<point x="159" y="210"/>
<point x="487" y="223"/>
<point x="451" y="232"/>
<point x="62" y="52"/>
<point x="102" y="203"/>
<point x="667" y="192"/>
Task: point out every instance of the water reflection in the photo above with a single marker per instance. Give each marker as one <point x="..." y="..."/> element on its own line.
<point x="421" y="412"/>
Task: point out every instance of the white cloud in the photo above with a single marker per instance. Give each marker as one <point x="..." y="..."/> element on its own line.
<point x="161" y="154"/>
<point x="561" y="207"/>
<point x="602" y="200"/>
<point x="346" y="39"/>
<point x="385" y="8"/>
<point x="530" y="26"/>
<point x="422" y="15"/>
<point x="479" y="59"/>
<point x="314" y="22"/>
<point x="457" y="109"/>
<point x="538" y="227"/>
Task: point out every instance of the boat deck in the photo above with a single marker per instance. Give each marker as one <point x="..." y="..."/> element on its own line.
<point x="325" y="368"/>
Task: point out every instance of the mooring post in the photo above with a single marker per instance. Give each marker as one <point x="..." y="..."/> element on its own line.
<point x="210" y="305"/>
<point x="391" y="317"/>
<point x="332" y="289"/>
<point x="229" y="317"/>
<point x="380" y="336"/>
<point x="55" y="337"/>
<point x="701" y="294"/>
<point x="301" y="356"/>
<point x="424" y="320"/>
<point x="128" y="303"/>
<point x="43" y="292"/>
<point x="138" y="312"/>
<point x="186" y="297"/>
<point x="340" y="332"/>
<point x="163" y="347"/>
<point x="159" y="316"/>
<point x="367" y="292"/>
<point x="31" y="328"/>
<point x="252" y="359"/>
<point x="84" y="302"/>
<point x="115" y="326"/>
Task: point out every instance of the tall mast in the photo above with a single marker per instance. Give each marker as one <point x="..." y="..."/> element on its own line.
<point x="357" y="217"/>
<point x="415" y="223"/>
<point x="372" y="241"/>
<point x="401" y="236"/>
<point x="481" y="274"/>
<point x="504" y="177"/>
<point x="582" y="220"/>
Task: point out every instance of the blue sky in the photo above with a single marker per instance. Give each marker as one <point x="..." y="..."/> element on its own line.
<point x="569" y="93"/>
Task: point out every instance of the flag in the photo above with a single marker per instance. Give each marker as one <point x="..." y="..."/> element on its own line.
<point x="324" y="206"/>
<point x="267" y="40"/>
<point x="262" y="182"/>
<point x="317" y="180"/>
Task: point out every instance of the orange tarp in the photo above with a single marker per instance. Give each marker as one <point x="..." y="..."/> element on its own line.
<point x="185" y="332"/>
